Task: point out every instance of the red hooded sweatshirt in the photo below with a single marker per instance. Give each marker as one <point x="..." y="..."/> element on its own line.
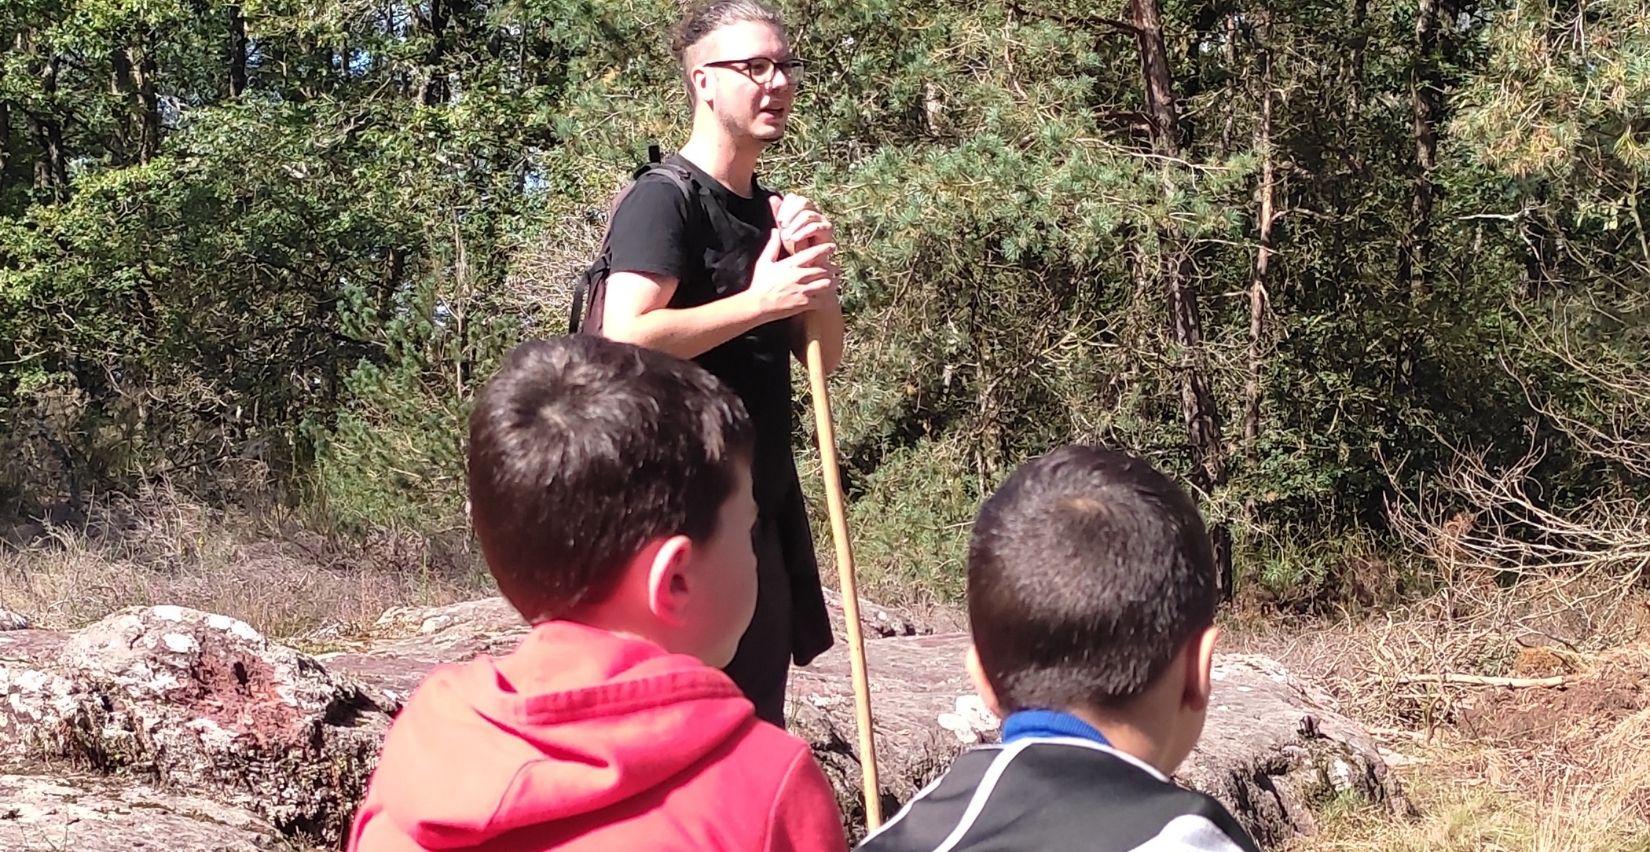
<point x="583" y="739"/>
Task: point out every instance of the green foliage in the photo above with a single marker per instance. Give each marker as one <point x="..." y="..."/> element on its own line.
<point x="314" y="272"/>
<point x="910" y="519"/>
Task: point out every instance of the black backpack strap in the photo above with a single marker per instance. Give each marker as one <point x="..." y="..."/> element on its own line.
<point x="676" y="174"/>
<point x="591" y="285"/>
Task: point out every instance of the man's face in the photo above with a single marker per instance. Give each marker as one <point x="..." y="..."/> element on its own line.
<point x="745" y="108"/>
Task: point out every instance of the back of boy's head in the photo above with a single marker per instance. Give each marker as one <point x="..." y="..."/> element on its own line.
<point x="1088" y="571"/>
<point x="582" y="451"/>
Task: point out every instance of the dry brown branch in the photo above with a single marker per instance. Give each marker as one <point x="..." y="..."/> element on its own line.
<point x="1486" y="680"/>
<point x="1515" y="529"/>
<point x="1515" y="524"/>
<point x="1578" y="556"/>
<point x="1613" y="422"/>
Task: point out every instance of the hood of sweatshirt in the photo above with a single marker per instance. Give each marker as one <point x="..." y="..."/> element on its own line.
<point x="576" y="720"/>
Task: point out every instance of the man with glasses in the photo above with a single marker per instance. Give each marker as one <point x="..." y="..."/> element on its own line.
<point x="733" y="276"/>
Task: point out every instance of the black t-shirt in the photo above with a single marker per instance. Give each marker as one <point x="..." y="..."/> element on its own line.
<point x="710" y="246"/>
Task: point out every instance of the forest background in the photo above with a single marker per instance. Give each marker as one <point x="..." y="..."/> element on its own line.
<point x="1322" y="259"/>
<point x="1371" y="277"/>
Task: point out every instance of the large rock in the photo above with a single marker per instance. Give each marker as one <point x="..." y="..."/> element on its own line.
<point x="875" y="620"/>
<point x="407" y="642"/>
<point x="99" y="813"/>
<point x="1273" y="748"/>
<point x="195" y="702"/>
<point x="12" y="621"/>
<point x="190" y="701"/>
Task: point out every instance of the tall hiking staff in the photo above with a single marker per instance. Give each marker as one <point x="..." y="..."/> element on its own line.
<point x="834" y="503"/>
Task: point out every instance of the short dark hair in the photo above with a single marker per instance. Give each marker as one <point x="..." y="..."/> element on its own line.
<point x="583" y="450"/>
<point x="1088" y="571"/>
<point x="701" y="19"/>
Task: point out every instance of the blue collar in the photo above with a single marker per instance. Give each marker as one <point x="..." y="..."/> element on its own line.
<point x="1048" y="723"/>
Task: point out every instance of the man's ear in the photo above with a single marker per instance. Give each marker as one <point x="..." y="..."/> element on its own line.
<point x="701" y="85"/>
<point x="668" y="583"/>
<point x="1200" y="659"/>
<point x="976" y="673"/>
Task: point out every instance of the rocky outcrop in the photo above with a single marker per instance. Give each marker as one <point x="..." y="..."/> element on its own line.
<point x="271" y="742"/>
<point x="195" y="702"/>
<point x="1273" y="748"/>
<point x="12" y="621"/>
<point x="89" y="812"/>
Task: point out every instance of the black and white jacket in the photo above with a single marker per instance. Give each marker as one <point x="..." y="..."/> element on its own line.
<point x="1058" y="793"/>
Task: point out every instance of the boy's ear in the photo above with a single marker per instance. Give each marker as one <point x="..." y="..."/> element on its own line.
<point x="976" y="673"/>
<point x="1200" y="660"/>
<point x="668" y="581"/>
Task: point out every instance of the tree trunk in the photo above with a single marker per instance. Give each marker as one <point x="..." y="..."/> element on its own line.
<point x="148" y="102"/>
<point x="132" y="78"/>
<point x="122" y="87"/>
<point x="988" y="429"/>
<point x="1258" y="295"/>
<point x="1234" y="80"/>
<point x="433" y="89"/>
<point x="1360" y="43"/>
<point x="237" y="52"/>
<point x="1425" y="107"/>
<point x="395" y="274"/>
<point x="1185" y="322"/>
<point x="5" y="151"/>
<point x="51" y="169"/>
<point x="1147" y="19"/>
<point x="1539" y="233"/>
<point x="51" y="174"/>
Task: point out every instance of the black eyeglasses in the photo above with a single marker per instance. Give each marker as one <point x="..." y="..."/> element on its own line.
<point x="760" y="68"/>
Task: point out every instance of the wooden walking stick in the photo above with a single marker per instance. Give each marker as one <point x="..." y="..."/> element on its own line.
<point x="845" y="571"/>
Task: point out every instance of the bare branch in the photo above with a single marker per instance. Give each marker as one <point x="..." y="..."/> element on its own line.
<point x="1484" y="680"/>
<point x="1084" y="21"/>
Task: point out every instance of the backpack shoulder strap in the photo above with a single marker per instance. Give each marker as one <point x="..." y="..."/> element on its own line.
<point x="685" y="182"/>
<point x="590" y="286"/>
<point x="673" y="172"/>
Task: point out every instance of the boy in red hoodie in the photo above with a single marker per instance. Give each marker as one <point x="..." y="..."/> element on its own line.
<point x="610" y="489"/>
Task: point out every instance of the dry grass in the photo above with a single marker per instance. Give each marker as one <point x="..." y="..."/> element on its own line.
<point x="1555" y="770"/>
<point x="1476" y="628"/>
<point x="1471" y="797"/>
<point x="160" y="548"/>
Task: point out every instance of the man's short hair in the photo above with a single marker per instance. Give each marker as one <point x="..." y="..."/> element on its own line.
<point x="1088" y="571"/>
<point x="701" y="19"/>
<point x="583" y="450"/>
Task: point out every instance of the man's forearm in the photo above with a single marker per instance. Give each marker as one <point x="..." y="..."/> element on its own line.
<point x="686" y="332"/>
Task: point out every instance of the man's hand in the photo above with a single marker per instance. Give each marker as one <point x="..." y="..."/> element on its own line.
<point x="802" y="227"/>
<point x="800" y="223"/>
<point x="785" y="287"/>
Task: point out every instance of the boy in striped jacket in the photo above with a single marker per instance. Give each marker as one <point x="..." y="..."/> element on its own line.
<point x="1091" y="599"/>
